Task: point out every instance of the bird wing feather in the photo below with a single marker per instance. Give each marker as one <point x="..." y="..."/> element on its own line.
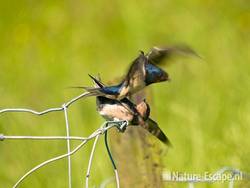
<point x="136" y="73"/>
<point x="157" y="55"/>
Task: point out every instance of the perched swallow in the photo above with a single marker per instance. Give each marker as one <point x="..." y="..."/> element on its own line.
<point x="112" y="109"/>
<point x="142" y="72"/>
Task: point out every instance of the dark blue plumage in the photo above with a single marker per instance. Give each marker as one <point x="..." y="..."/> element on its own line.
<point x="142" y="72"/>
<point x="112" y="90"/>
<point x="154" y="73"/>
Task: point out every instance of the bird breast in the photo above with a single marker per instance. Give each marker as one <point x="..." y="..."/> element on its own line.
<point x="115" y="111"/>
<point x="143" y="109"/>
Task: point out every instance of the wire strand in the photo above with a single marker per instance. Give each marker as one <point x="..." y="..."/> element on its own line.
<point x="68" y="143"/>
<point x="90" y="161"/>
<point x="93" y="135"/>
<point x="84" y="140"/>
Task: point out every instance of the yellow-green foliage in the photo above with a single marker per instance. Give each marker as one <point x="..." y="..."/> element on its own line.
<point x="46" y="46"/>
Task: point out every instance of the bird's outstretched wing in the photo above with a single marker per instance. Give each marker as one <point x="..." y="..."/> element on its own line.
<point x="157" y="55"/>
<point x="133" y="81"/>
<point x="152" y="127"/>
<point x="136" y="74"/>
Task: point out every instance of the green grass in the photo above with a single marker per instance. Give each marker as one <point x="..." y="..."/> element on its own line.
<point x="50" y="45"/>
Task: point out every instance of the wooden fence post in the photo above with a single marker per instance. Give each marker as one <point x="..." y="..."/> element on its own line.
<point x="138" y="158"/>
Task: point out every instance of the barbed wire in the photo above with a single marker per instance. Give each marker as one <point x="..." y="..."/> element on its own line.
<point x="96" y="134"/>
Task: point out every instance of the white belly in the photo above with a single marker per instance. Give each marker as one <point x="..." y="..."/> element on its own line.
<point x="116" y="112"/>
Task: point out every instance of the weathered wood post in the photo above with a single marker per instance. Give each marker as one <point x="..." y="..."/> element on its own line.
<point x="138" y="158"/>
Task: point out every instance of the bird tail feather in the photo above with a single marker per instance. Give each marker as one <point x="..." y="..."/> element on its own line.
<point x="97" y="82"/>
<point x="93" y="91"/>
<point x="154" y="129"/>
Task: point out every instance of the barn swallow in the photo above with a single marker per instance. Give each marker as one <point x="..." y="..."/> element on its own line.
<point x="142" y="72"/>
<point x="115" y="110"/>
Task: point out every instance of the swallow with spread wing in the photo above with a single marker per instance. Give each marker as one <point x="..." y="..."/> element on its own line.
<point x="112" y="109"/>
<point x="142" y="72"/>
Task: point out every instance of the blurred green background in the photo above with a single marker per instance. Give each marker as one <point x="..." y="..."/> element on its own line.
<point x="46" y="46"/>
